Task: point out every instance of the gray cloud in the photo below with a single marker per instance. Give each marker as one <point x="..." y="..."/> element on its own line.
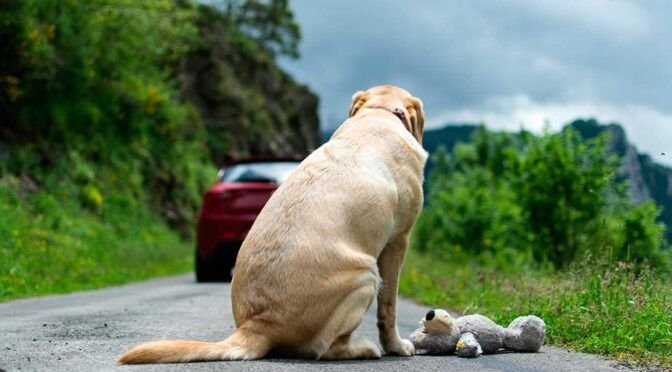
<point x="527" y="61"/>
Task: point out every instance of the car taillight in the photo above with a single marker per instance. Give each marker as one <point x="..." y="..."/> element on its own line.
<point x="225" y="195"/>
<point x="214" y="201"/>
<point x="237" y="199"/>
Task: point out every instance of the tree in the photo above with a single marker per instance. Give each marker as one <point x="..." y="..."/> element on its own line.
<point x="270" y="22"/>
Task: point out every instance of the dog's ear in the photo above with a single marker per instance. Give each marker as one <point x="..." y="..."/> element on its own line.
<point x="417" y="114"/>
<point x="358" y="99"/>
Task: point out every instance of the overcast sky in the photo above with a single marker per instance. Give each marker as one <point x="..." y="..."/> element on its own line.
<point x="510" y="64"/>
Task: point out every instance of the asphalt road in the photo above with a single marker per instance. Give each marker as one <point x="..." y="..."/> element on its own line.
<point x="86" y="331"/>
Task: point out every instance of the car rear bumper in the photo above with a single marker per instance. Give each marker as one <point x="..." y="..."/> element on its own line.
<point x="226" y="253"/>
<point x="223" y="234"/>
<point x="219" y="266"/>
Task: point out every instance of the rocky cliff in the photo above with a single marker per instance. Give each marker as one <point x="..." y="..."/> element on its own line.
<point x="249" y="106"/>
<point x="646" y="179"/>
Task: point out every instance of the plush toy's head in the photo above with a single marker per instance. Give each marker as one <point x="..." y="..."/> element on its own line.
<point x="438" y="322"/>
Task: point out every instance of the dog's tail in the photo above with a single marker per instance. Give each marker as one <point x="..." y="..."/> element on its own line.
<point x="239" y="346"/>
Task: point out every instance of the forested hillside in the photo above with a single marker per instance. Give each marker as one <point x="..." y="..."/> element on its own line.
<point x="115" y="115"/>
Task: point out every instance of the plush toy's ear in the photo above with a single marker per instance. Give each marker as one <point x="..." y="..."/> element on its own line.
<point x="358" y="100"/>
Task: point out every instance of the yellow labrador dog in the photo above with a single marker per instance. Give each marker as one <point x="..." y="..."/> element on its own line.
<point x="331" y="239"/>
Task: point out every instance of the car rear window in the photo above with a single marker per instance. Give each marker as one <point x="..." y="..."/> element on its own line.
<point x="271" y="172"/>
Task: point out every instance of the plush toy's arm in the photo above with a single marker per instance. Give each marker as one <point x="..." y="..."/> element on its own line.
<point x="468" y="346"/>
<point x="419" y="339"/>
<point x="433" y="344"/>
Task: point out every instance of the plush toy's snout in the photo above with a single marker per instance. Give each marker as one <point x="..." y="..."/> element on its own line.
<point x="438" y="321"/>
<point x="438" y="333"/>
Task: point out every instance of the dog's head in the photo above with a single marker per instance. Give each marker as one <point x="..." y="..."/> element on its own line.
<point x="393" y="99"/>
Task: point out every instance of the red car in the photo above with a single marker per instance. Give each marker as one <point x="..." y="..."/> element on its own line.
<point x="230" y="207"/>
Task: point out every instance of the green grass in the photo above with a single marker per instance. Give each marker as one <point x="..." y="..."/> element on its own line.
<point x="611" y="310"/>
<point x="63" y="238"/>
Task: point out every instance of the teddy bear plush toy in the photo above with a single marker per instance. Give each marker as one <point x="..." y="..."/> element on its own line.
<point x="472" y="335"/>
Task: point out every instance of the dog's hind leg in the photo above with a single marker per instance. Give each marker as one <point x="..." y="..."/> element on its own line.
<point x="336" y="335"/>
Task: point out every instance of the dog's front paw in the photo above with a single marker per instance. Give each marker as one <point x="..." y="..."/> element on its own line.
<point x="402" y="347"/>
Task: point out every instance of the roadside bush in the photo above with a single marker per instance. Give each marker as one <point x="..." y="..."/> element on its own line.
<point x="51" y="243"/>
<point x="546" y="200"/>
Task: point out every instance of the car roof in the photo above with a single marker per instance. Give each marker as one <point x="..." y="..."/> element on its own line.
<point x="265" y="159"/>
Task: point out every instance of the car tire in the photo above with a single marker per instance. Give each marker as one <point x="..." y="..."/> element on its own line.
<point x="204" y="271"/>
<point x="209" y="271"/>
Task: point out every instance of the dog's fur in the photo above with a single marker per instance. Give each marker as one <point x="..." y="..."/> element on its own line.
<point x="330" y="239"/>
